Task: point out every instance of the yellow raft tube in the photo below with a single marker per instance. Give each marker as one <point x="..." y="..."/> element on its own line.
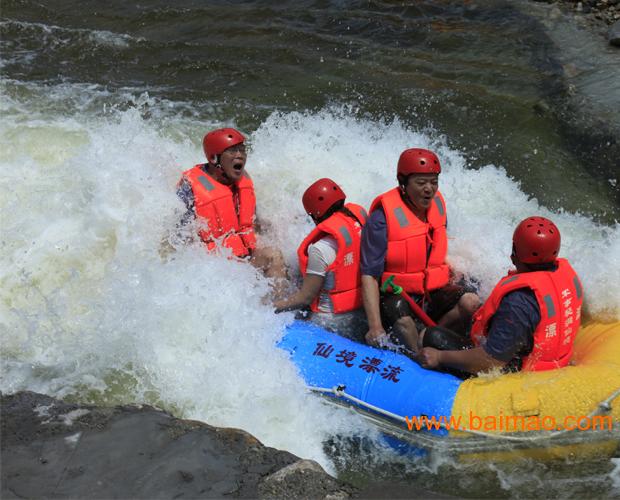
<point x="569" y="412"/>
<point x="582" y="398"/>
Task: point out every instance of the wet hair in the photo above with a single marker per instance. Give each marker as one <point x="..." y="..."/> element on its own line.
<point x="338" y="207"/>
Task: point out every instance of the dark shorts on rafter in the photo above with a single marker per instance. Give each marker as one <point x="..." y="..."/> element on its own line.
<point x="440" y="301"/>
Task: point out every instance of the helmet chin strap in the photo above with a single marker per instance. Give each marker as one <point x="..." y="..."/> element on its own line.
<point x="406" y="196"/>
<point x="403" y="189"/>
<point x="218" y="165"/>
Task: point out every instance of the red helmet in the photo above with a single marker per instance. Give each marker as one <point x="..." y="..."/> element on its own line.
<point x="216" y="141"/>
<point x="320" y="197"/>
<point x="418" y="161"/>
<point x="536" y="241"/>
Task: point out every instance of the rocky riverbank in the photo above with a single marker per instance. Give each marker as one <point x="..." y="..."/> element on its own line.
<point x="605" y="11"/>
<point x="581" y="89"/>
<point x="602" y="16"/>
<point x="54" y="449"/>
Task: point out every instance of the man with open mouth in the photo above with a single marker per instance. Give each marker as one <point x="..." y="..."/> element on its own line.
<point x="404" y="242"/>
<point x="220" y="194"/>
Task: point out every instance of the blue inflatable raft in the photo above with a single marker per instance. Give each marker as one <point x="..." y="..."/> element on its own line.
<point x="375" y="380"/>
<point x="389" y="389"/>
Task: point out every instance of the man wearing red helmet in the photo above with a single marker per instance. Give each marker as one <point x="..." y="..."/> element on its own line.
<point x="221" y="195"/>
<point x="329" y="260"/>
<point x="405" y="237"/>
<point x="530" y="320"/>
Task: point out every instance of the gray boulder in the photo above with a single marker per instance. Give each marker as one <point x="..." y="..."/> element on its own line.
<point x="613" y="35"/>
<point x="53" y="449"/>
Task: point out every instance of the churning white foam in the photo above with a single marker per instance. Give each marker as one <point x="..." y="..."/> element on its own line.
<point x="53" y="36"/>
<point x="89" y="307"/>
<point x="484" y="206"/>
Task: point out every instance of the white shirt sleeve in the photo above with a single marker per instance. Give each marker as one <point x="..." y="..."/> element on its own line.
<point x="321" y="255"/>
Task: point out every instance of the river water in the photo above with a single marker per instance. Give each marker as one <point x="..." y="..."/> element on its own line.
<point x="103" y="105"/>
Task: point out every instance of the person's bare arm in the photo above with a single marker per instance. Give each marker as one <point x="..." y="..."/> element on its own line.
<point x="371" y="296"/>
<point x="310" y="288"/>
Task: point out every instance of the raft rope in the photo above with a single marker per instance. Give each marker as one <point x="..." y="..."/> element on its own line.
<point x="339" y="391"/>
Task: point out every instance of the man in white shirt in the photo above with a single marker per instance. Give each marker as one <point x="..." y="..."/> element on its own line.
<point x="329" y="262"/>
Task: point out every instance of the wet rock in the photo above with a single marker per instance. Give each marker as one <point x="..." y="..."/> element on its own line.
<point x="571" y="70"/>
<point x="393" y="491"/>
<point x="597" y="12"/>
<point x="53" y="449"/>
<point x="614" y="34"/>
<point x="304" y="478"/>
<point x="541" y="108"/>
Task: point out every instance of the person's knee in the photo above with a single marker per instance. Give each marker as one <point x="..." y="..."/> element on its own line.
<point x="263" y="254"/>
<point x="271" y="261"/>
<point x="405" y="323"/>
<point x="393" y="308"/>
<point x="469" y="304"/>
<point x="276" y="257"/>
<point x="406" y="332"/>
<point x="273" y="255"/>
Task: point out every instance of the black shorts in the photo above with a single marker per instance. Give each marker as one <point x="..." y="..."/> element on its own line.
<point x="440" y="301"/>
<point x="447" y="340"/>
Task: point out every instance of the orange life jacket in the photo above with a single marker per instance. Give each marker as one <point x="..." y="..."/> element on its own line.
<point x="346" y="294"/>
<point x="416" y="251"/>
<point x="559" y="295"/>
<point x="228" y="224"/>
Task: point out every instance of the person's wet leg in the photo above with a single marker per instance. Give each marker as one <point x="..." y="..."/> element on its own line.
<point x="459" y="317"/>
<point x="271" y="262"/>
<point x="406" y="331"/>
